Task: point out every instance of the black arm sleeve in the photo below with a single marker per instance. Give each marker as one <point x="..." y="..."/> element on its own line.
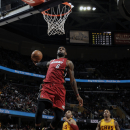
<point x="42" y="64"/>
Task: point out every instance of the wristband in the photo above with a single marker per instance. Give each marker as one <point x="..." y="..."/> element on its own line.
<point x="42" y="64"/>
<point x="77" y="95"/>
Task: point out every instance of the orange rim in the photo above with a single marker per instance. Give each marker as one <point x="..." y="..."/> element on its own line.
<point x="66" y="3"/>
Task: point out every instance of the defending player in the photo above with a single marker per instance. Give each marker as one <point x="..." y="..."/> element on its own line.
<point x="53" y="92"/>
<point x="70" y="123"/>
<point x="107" y="123"/>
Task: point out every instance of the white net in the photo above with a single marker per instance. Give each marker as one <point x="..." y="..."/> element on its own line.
<point x="55" y="18"/>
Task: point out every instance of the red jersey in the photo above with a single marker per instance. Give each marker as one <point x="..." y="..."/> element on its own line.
<point x="55" y="73"/>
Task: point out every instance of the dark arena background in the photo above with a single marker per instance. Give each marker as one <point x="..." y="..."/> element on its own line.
<point x="97" y="39"/>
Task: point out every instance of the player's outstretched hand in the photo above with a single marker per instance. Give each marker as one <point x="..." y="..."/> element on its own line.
<point x="80" y="101"/>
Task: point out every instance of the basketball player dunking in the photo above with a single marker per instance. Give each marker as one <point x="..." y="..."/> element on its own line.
<point x="107" y="123"/>
<point x="70" y="123"/>
<point x="52" y="93"/>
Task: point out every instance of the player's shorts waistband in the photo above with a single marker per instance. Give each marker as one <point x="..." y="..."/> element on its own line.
<point x="53" y="84"/>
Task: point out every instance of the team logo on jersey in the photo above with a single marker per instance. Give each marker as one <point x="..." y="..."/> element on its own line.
<point x="60" y="62"/>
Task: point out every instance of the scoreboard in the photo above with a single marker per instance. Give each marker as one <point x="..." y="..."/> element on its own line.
<point x="101" y="38"/>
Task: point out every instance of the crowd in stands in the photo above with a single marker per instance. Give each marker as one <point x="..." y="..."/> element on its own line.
<point x="18" y="98"/>
<point x="93" y="102"/>
<point x="112" y="69"/>
<point x="122" y="100"/>
<point x="25" y="99"/>
<point x="14" y="60"/>
<point x="11" y="126"/>
<point x="22" y="98"/>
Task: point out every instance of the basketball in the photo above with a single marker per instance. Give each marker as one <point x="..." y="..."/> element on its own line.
<point x="36" y="56"/>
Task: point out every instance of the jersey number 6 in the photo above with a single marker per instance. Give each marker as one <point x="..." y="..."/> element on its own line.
<point x="58" y="66"/>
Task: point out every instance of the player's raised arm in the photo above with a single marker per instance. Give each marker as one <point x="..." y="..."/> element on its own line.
<point x="42" y="64"/>
<point x="73" y="83"/>
<point x="98" y="126"/>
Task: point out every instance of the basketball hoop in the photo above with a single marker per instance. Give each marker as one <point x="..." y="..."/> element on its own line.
<point x="56" y="17"/>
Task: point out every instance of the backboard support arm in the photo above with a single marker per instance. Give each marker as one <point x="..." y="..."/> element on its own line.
<point x="27" y="11"/>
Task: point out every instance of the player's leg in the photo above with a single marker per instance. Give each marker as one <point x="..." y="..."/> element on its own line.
<point x="59" y="105"/>
<point x="38" y="116"/>
<point x="44" y="102"/>
<point x="40" y="108"/>
<point x="58" y="113"/>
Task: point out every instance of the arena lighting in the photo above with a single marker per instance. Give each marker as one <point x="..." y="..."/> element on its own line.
<point x="85" y="8"/>
<point x="81" y="8"/>
<point x="94" y="8"/>
<point x="117" y="2"/>
<point x="88" y="8"/>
